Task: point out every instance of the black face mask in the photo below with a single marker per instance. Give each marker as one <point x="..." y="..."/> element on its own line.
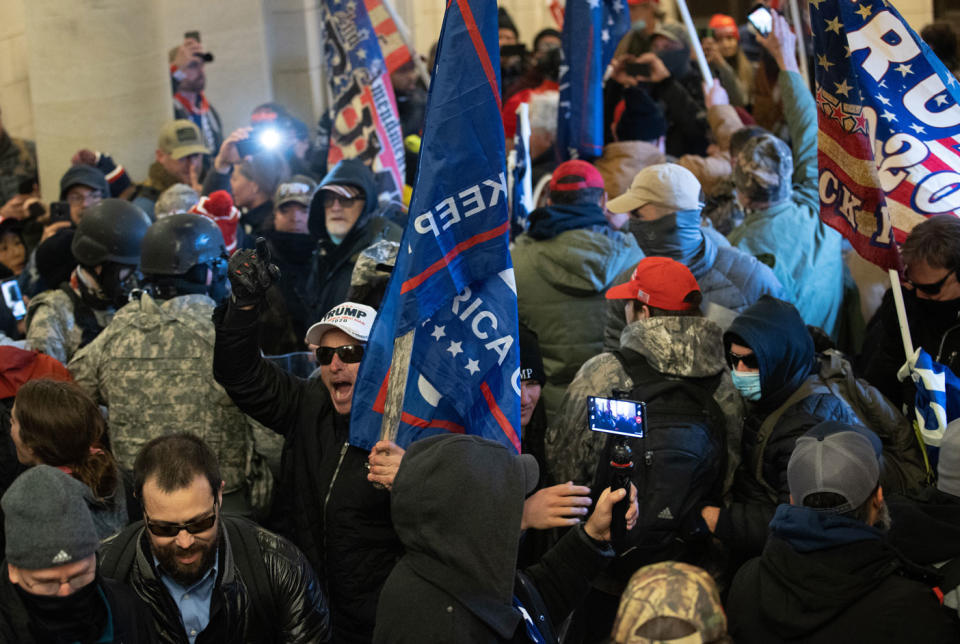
<point x="80" y="617"/>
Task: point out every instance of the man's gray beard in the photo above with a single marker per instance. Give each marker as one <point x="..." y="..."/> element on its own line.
<point x="884" y="521"/>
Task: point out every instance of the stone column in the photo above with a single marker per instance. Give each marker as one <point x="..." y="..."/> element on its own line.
<point x="99" y="80"/>
<point x="14" y="86"/>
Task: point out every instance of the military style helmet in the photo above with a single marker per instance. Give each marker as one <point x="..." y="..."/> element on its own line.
<point x="110" y="231"/>
<point x="177" y="243"/>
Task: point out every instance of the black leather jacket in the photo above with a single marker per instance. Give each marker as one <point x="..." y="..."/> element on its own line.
<point x="297" y="611"/>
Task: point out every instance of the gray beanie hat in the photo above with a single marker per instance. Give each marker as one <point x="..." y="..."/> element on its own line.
<point x="47" y="521"/>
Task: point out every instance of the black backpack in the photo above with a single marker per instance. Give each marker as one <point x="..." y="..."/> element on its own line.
<point x="679" y="465"/>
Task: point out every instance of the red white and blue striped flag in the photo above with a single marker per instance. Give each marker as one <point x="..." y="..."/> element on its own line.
<point x="889" y="119"/>
<point x="453" y="285"/>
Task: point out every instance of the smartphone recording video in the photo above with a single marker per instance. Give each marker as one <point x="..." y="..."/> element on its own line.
<point x="615" y="416"/>
<point x="761" y="19"/>
<point x="13" y="298"/>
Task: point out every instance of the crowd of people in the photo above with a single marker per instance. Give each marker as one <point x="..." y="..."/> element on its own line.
<point x="179" y="375"/>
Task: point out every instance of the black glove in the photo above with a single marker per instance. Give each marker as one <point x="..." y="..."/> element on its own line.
<point x="251" y="274"/>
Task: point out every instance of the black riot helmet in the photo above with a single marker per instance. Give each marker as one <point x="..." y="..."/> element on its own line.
<point x="110" y="231"/>
<point x="184" y="254"/>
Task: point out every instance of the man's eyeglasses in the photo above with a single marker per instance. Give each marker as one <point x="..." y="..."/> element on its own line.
<point x="52" y="587"/>
<point x="930" y="289"/>
<point x="349" y="354"/>
<point x="750" y="361"/>
<point x="173" y="529"/>
<point x="330" y="197"/>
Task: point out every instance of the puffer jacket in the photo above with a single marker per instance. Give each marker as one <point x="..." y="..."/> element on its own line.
<point x="677" y="347"/>
<point x="785" y="352"/>
<point x="561" y="281"/>
<point x="333" y="263"/>
<point x="325" y="504"/>
<point x="726" y="276"/>
<point x="297" y="611"/>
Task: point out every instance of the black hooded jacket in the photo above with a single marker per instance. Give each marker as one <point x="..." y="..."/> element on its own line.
<point x="324" y="503"/>
<point x="457" y="503"/>
<point x="827" y="579"/>
<point x="775" y="332"/>
<point x="926" y="527"/>
<point x="882" y="353"/>
<point x="333" y="263"/>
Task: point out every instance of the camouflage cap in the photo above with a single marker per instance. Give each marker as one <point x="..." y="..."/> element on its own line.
<point x="763" y="171"/>
<point x="673" y="597"/>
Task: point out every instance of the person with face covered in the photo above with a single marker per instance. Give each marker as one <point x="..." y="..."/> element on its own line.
<point x="931" y="297"/>
<point x="458" y="503"/>
<point x="663" y="204"/>
<point x="208" y="577"/>
<point x="50" y="590"/>
<point x="770" y="354"/>
<point x="106" y="245"/>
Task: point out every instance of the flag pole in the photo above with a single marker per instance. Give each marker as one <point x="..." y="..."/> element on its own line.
<point x="404" y="32"/>
<point x="523" y="131"/>
<point x="396" y="386"/>
<point x="801" y="42"/>
<point x="901" y="313"/>
<point x="695" y="41"/>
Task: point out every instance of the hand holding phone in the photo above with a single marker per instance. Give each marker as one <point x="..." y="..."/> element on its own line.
<point x="13" y="298"/>
<point x="761" y="19"/>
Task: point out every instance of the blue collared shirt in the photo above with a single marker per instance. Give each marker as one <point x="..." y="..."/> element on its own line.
<point x="193" y="602"/>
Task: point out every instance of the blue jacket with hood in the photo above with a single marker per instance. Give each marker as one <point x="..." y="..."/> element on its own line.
<point x="333" y="263"/>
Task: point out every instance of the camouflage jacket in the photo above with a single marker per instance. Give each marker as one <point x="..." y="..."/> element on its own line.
<point x="689" y="347"/>
<point x="52" y="326"/>
<point x="152" y="368"/>
<point x="18" y="161"/>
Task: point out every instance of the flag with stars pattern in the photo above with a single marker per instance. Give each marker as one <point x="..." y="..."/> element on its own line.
<point x="591" y="31"/>
<point x="363" y="113"/>
<point x="453" y="284"/>
<point x="889" y="121"/>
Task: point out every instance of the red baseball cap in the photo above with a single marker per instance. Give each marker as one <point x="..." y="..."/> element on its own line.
<point x="660" y="282"/>
<point x="724" y="24"/>
<point x="575" y="175"/>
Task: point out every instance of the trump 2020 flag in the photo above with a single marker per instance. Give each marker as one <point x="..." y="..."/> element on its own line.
<point x="937" y="401"/>
<point x="452" y="287"/>
<point x="364" y="117"/>
<point x="889" y="117"/>
<point x="591" y="31"/>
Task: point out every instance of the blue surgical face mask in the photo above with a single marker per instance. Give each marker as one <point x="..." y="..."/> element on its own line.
<point x="747" y="383"/>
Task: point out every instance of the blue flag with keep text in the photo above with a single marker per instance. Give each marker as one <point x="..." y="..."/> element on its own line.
<point x="591" y="31"/>
<point x="452" y="287"/>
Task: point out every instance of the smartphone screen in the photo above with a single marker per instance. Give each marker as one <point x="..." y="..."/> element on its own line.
<point x="615" y="416"/>
<point x="13" y="298"/>
<point x="762" y="20"/>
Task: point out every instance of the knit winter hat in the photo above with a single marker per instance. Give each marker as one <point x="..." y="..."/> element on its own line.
<point x="47" y="521"/>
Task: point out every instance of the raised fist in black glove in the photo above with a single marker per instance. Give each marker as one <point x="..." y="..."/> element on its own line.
<point x="251" y="274"/>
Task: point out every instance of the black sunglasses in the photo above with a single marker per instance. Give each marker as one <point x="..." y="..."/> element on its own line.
<point x="750" y="361"/>
<point x="930" y="289"/>
<point x="172" y="530"/>
<point x="330" y="197"/>
<point x="348" y="353"/>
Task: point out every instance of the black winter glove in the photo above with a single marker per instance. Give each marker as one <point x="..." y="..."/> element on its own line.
<point x="251" y="274"/>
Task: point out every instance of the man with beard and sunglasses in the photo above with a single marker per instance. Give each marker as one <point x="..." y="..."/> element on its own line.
<point x="828" y="572"/>
<point x="209" y="577"/>
<point x="931" y="298"/>
<point x="324" y="503"/>
<point x="49" y="587"/>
